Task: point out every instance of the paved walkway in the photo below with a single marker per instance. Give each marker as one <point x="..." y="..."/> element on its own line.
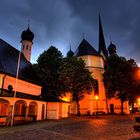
<point x="75" y="128"/>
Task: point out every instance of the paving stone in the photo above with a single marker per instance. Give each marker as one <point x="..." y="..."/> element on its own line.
<point x="75" y="128"/>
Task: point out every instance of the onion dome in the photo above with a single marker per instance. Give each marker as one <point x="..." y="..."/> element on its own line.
<point x="70" y="53"/>
<point x="27" y="35"/>
<point x="112" y="48"/>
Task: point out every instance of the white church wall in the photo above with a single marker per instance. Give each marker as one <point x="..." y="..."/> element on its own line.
<point x="22" y="86"/>
<point x="38" y="111"/>
<point x="53" y="110"/>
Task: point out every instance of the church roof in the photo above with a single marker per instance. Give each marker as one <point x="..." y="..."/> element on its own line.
<point x="85" y="49"/>
<point x="102" y="46"/>
<point x="8" y="63"/>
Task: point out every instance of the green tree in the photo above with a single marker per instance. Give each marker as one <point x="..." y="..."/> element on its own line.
<point x="133" y="90"/>
<point x="78" y="79"/>
<point x="119" y="78"/>
<point x="47" y="68"/>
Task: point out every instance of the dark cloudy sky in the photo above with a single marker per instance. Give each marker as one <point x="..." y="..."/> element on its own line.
<point x="61" y="22"/>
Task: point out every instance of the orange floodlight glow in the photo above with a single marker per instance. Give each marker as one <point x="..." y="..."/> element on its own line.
<point x="96" y="97"/>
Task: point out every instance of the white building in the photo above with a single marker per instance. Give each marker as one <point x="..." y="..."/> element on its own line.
<point x="24" y="92"/>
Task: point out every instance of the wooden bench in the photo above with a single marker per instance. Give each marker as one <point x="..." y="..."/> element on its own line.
<point x="100" y="113"/>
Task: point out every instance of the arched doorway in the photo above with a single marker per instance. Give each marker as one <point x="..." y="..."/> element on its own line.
<point x="4" y="107"/>
<point x="112" y="108"/>
<point x="32" y="112"/>
<point x="20" y="108"/>
<point x="33" y="108"/>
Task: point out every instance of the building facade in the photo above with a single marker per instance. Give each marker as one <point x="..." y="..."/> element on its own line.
<point x="96" y="62"/>
<point x="20" y="89"/>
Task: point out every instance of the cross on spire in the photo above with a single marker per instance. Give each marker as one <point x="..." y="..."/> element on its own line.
<point x="28" y="23"/>
<point x="110" y="39"/>
<point x="70" y="46"/>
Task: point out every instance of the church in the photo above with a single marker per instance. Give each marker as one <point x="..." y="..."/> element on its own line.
<point x="95" y="61"/>
<point x="20" y="88"/>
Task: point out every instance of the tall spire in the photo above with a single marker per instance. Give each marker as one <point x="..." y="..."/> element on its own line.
<point x="102" y="46"/>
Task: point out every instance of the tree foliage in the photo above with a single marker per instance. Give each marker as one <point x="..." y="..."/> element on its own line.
<point x="78" y="79"/>
<point x="119" y="78"/>
<point x="47" y="68"/>
<point x="133" y="90"/>
<point x="60" y="75"/>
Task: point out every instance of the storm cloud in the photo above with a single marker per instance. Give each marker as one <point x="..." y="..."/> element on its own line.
<point x="61" y="22"/>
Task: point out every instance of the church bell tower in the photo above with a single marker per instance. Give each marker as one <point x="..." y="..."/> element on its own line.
<point x="27" y="37"/>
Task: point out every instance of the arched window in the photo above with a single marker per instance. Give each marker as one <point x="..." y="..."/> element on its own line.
<point x="96" y="87"/>
<point x="32" y="108"/>
<point x="4" y="107"/>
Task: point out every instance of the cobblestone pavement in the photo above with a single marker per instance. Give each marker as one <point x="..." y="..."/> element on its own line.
<point x="75" y="128"/>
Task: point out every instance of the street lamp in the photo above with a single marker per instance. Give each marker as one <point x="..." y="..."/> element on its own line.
<point x="138" y="100"/>
<point x="96" y="98"/>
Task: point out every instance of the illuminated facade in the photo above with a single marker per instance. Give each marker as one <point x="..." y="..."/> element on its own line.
<point x="90" y="105"/>
<point x="24" y="92"/>
<point x="22" y="95"/>
<point x="95" y="62"/>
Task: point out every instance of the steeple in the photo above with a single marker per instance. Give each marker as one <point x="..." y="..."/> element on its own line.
<point x="27" y="37"/>
<point x="102" y="46"/>
<point x="70" y="52"/>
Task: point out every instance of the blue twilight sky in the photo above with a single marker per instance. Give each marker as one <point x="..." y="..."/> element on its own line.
<point x="61" y="22"/>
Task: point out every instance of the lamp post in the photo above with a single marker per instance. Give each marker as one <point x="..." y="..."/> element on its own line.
<point x="96" y="98"/>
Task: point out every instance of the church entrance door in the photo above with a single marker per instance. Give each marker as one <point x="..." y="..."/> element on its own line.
<point x="111" y="108"/>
